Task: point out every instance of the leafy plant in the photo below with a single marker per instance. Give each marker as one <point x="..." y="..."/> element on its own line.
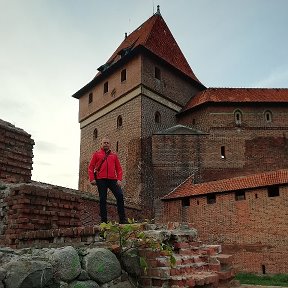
<point x="131" y="235"/>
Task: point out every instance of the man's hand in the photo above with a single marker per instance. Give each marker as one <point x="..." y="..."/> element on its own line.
<point x="119" y="183"/>
<point x="93" y="182"/>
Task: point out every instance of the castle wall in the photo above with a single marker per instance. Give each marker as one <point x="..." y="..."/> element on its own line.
<point x="254" y="230"/>
<point x="34" y="207"/>
<point x="16" y="153"/>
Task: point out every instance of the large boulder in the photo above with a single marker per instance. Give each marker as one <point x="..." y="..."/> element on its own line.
<point x="28" y="274"/>
<point x="101" y="265"/>
<point x="66" y="263"/>
<point x="84" y="284"/>
<point x="131" y="262"/>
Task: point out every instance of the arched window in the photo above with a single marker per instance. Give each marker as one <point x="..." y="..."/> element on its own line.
<point x="157" y="117"/>
<point x="238" y="117"/>
<point x="95" y="133"/>
<point x="268" y="116"/>
<point x="119" y="121"/>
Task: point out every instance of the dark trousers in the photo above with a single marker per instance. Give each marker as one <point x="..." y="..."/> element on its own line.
<point x="103" y="185"/>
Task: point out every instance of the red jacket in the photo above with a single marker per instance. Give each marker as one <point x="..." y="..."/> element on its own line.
<point x="110" y="169"/>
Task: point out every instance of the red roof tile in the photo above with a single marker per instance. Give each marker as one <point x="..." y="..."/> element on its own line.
<point x="155" y="36"/>
<point x="236" y="95"/>
<point x="187" y="188"/>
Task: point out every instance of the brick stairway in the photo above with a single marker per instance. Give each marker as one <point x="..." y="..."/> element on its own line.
<point x="196" y="264"/>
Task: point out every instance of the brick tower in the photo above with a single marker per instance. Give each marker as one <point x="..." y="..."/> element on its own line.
<point x="136" y="93"/>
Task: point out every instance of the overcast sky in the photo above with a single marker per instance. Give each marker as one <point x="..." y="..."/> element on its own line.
<point x="52" y="48"/>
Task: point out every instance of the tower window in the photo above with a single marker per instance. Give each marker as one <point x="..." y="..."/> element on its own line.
<point x="223" y="156"/>
<point x="117" y="146"/>
<point x="123" y="75"/>
<point x="157" y="117"/>
<point x="211" y="198"/>
<point x="95" y="133"/>
<point x="273" y="191"/>
<point x="105" y="87"/>
<point x="157" y="73"/>
<point x="240" y="195"/>
<point x="238" y="117"/>
<point x="119" y="121"/>
<point x="90" y="98"/>
<point x="268" y="116"/>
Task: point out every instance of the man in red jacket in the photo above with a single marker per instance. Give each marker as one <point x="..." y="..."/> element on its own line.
<point x="105" y="171"/>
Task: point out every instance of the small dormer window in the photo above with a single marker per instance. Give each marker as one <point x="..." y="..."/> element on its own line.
<point x="123" y="75"/>
<point x="157" y="73"/>
<point x="105" y="87"/>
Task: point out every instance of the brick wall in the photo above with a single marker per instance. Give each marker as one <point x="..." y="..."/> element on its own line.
<point x="26" y="208"/>
<point x="254" y="230"/>
<point x="16" y="153"/>
<point x="116" y="88"/>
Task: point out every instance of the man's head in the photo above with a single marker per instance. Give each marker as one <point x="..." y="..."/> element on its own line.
<point x="105" y="144"/>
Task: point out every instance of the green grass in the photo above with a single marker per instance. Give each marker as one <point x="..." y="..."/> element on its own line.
<point x="265" y="280"/>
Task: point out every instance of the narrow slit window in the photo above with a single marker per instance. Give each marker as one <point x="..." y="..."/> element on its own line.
<point x="223" y="155"/>
<point x="90" y="98"/>
<point x="157" y="73"/>
<point x="105" y="87"/>
<point x="268" y="116"/>
<point x="123" y="75"/>
<point x="117" y="146"/>
<point x="119" y="121"/>
<point x="95" y="133"/>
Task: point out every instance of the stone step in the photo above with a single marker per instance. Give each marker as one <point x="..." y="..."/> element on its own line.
<point x="180" y="281"/>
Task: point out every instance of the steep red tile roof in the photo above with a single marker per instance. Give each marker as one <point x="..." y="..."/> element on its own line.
<point x="187" y="188"/>
<point x="155" y="36"/>
<point x="236" y="95"/>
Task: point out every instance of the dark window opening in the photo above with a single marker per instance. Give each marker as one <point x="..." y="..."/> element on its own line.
<point x="223" y="156"/>
<point x="238" y="117"/>
<point x="263" y="269"/>
<point x="185" y="202"/>
<point x="105" y="87"/>
<point x="119" y="122"/>
<point x="211" y="198"/>
<point x="256" y="195"/>
<point x="157" y="73"/>
<point x="240" y="195"/>
<point x="198" y="202"/>
<point x="273" y="191"/>
<point x="157" y="117"/>
<point x="90" y="98"/>
<point x="117" y="146"/>
<point x="123" y="75"/>
<point x="95" y="133"/>
<point x="193" y="121"/>
<point x="268" y="116"/>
